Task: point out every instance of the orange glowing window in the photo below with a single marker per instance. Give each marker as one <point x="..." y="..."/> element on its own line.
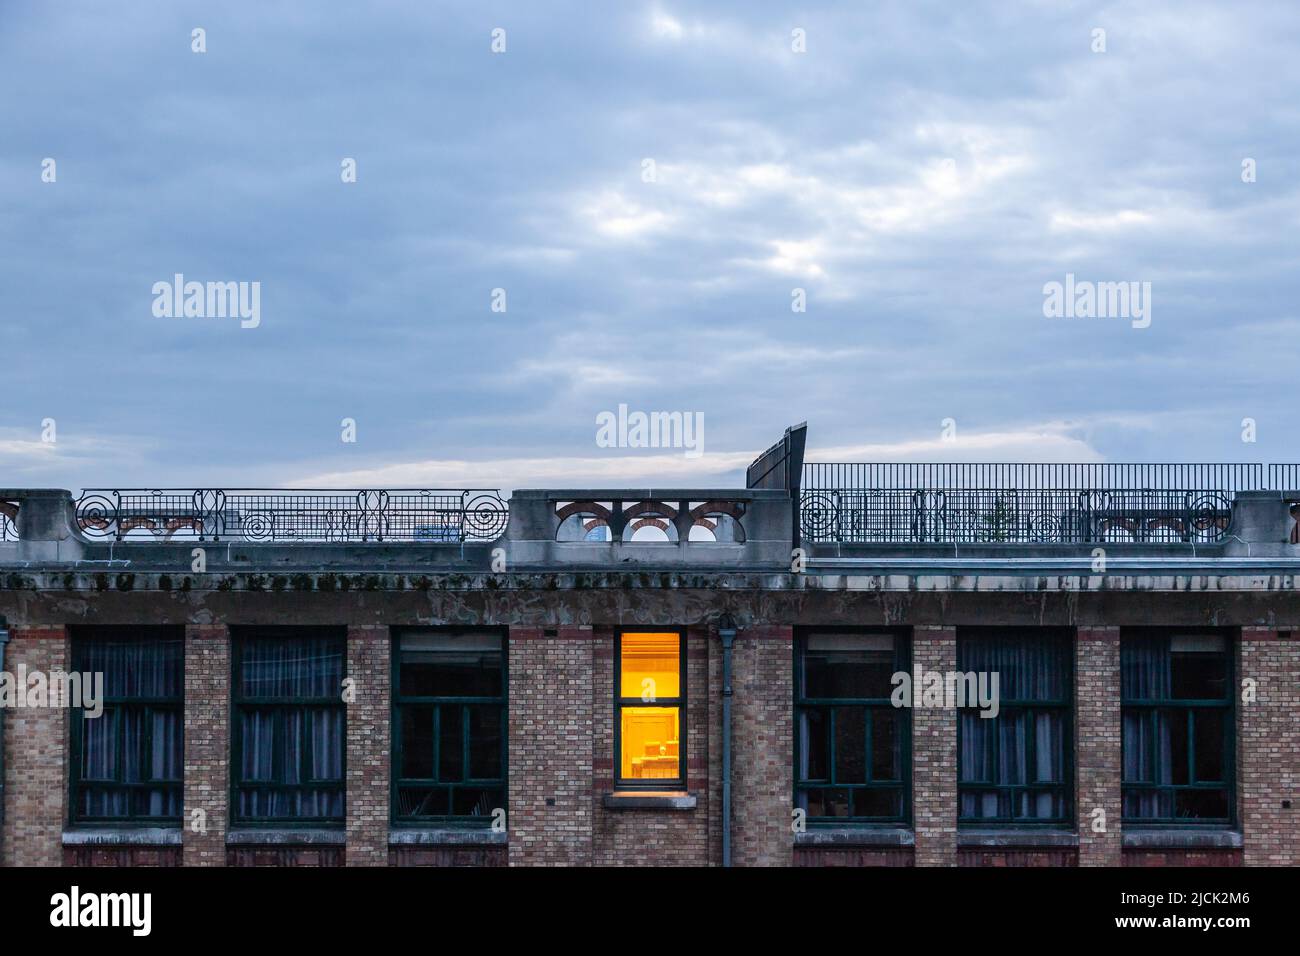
<point x="650" y="665"/>
<point x="650" y="705"/>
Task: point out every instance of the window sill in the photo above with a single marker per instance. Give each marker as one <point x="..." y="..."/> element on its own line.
<point x="1182" y="839"/>
<point x="649" y="800"/>
<point x="445" y="836"/>
<point x="1017" y="838"/>
<point x="272" y="837"/>
<point x="123" y="836"/>
<point x="864" y="835"/>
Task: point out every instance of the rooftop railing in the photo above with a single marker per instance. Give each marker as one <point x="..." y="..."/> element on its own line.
<point x="1030" y="503"/>
<point x="1087" y="476"/>
<point x="427" y="515"/>
<point x="900" y="503"/>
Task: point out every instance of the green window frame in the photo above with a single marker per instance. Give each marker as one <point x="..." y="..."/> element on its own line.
<point x="622" y="703"/>
<point x="88" y="797"/>
<point x="449" y="726"/>
<point x="316" y="656"/>
<point x="852" y="745"/>
<point x="1020" y="763"/>
<point x="1178" y="709"/>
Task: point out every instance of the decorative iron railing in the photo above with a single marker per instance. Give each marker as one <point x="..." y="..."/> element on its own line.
<point x="1151" y="503"/>
<point x="844" y="502"/>
<point x="1104" y="476"/>
<point x="289" y="515"/>
<point x="1284" y="477"/>
<point x="1010" y="515"/>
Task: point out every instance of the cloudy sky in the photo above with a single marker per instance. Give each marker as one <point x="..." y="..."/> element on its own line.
<point x="921" y="171"/>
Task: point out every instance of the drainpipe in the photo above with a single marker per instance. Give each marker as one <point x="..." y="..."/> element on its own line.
<point x="727" y="634"/>
<point x="4" y="640"/>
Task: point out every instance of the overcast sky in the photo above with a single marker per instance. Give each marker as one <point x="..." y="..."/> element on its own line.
<point x="921" y="171"/>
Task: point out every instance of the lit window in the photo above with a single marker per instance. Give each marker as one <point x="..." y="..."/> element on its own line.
<point x="851" y="744"/>
<point x="1015" y="767"/>
<point x="651" y="702"/>
<point x="449" y="726"/>
<point x="127" y="763"/>
<point x="289" y="726"/>
<point x="1178" y="728"/>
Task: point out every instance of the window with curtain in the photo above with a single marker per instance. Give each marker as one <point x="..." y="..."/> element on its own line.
<point x="127" y="764"/>
<point x="449" y="726"/>
<point x="1016" y="768"/>
<point x="1177" y="706"/>
<point x="649" y="674"/>
<point x="852" y="745"/>
<point x="289" y="727"/>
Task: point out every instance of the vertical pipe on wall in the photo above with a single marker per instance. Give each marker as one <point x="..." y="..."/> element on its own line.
<point x="4" y="641"/>
<point x="727" y="634"/>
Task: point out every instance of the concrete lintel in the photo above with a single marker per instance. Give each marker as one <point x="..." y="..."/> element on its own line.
<point x="649" y="800"/>
<point x="1182" y="839"/>
<point x="286" y="837"/>
<point x="1017" y="838"/>
<point x="123" y="836"/>
<point x="856" y="836"/>
<point x="448" y="836"/>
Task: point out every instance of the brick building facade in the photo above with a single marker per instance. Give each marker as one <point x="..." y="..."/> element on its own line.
<point x="489" y="712"/>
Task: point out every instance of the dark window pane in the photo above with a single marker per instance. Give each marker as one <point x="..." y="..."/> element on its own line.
<point x="1201" y="804"/>
<point x="291" y="727"/>
<point x="985" y="804"/>
<point x="1144" y="667"/>
<point x="1025" y="743"/>
<point x="417" y="742"/>
<point x="1040" y="805"/>
<point x="1160" y="743"/>
<point x="977" y="759"/>
<point x="166" y="757"/>
<point x="475" y="802"/>
<point x="1199" y="675"/>
<point x="451" y="665"/>
<point x="104" y="802"/>
<point x="1141" y="753"/>
<point x="828" y="802"/>
<point x="137" y="740"/>
<point x="423" y="801"/>
<point x="1174" y="725"/>
<point x="450" y="756"/>
<point x="1209" y="745"/>
<point x="291" y="744"/>
<point x="875" y="802"/>
<point x="848" y="665"/>
<point x="1031" y="666"/>
<point x="135" y="667"/>
<point x="326" y="744"/>
<point x="1049" y="748"/>
<point x="1011" y="730"/>
<point x="814" y="728"/>
<point x="1148" y="804"/>
<point x="850" y="745"/>
<point x="884" y="745"/>
<point x="133" y="724"/>
<point x="291" y="803"/>
<point x="257" y="745"/>
<point x="99" y="737"/>
<point x="159" y="802"/>
<point x="485" y="742"/>
<point x="302" y="667"/>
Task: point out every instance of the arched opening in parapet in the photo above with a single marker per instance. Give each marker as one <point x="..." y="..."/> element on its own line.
<point x="650" y="530"/>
